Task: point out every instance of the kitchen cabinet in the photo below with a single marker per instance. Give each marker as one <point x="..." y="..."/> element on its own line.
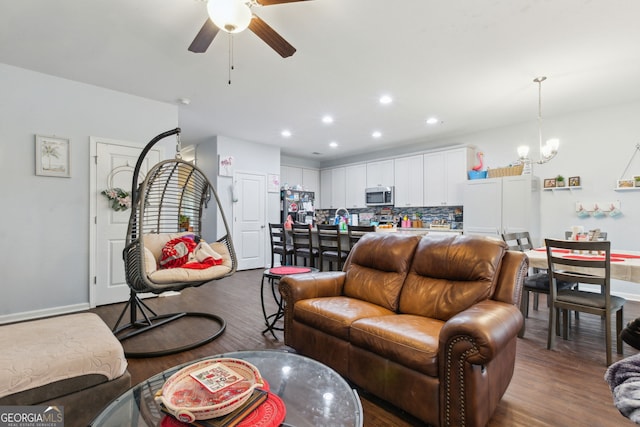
<point x="290" y="175"/>
<point x="409" y="181"/>
<point x="445" y="173"/>
<point x="294" y="175"/>
<point x="356" y="182"/>
<point x="502" y="205"/>
<point x="380" y="173"/>
<point x="333" y="188"/>
<point x="311" y="179"/>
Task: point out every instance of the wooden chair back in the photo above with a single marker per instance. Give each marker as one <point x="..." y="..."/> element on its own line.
<point x="355" y="232"/>
<point x="587" y="262"/>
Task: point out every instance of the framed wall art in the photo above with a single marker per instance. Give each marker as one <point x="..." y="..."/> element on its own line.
<point x="550" y="183"/>
<point x="225" y="165"/>
<point x="53" y="156"/>
<point x="574" y="181"/>
<point x="273" y="183"/>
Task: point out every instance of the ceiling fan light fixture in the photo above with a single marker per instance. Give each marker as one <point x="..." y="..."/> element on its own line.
<point x="231" y="16"/>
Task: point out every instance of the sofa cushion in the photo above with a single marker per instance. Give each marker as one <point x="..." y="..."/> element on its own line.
<point x="450" y="274"/>
<point x="172" y="275"/>
<point x="406" y="339"/>
<point x="334" y="315"/>
<point x="49" y="351"/>
<point x="377" y="267"/>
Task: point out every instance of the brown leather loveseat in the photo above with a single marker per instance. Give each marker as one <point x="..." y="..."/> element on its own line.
<point x="428" y="324"/>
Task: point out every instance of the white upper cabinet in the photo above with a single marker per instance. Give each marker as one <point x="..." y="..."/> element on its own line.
<point x="445" y="173"/>
<point x="294" y="175"/>
<point x="333" y="188"/>
<point x="323" y="200"/>
<point x="311" y="180"/>
<point x="338" y="188"/>
<point x="409" y="181"/>
<point x="356" y="182"/>
<point x="290" y="175"/>
<point x="380" y="173"/>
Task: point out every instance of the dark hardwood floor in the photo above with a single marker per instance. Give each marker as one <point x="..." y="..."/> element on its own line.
<point x="562" y="387"/>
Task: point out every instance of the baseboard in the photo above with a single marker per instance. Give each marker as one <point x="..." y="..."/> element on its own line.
<point x="48" y="312"/>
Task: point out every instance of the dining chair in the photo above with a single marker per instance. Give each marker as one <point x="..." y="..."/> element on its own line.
<point x="330" y="246"/>
<point x="280" y="244"/>
<point x="355" y="232"/>
<point x="536" y="283"/>
<point x="302" y="240"/>
<point x="574" y="266"/>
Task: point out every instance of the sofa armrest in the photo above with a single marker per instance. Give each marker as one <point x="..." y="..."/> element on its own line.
<point x="480" y="332"/>
<point x="477" y="358"/>
<point x="298" y="287"/>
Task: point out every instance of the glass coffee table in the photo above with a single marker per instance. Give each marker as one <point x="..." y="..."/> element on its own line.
<point x="314" y="394"/>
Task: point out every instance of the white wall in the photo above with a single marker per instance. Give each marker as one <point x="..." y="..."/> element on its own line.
<point x="250" y="157"/>
<point x="595" y="145"/>
<point x="44" y="221"/>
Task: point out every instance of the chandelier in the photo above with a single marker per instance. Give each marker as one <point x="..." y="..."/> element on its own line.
<point x="549" y="150"/>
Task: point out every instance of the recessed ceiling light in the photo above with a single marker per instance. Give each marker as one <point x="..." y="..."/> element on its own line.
<point x="333" y="144"/>
<point x="385" y="99"/>
<point x="184" y="101"/>
<point x="286" y="133"/>
<point x="433" y="121"/>
<point x="327" y="119"/>
<point x="376" y="134"/>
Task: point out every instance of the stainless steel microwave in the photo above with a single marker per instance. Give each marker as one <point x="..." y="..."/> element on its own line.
<point x="379" y="196"/>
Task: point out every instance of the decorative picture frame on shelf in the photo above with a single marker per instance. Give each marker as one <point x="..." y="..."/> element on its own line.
<point x="53" y="156"/>
<point x="574" y="181"/>
<point x="550" y="183"/>
<point x="625" y="183"/>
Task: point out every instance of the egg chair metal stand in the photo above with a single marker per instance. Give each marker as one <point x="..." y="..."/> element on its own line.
<point x="169" y="204"/>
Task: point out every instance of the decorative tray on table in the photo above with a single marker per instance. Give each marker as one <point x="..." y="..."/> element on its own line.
<point x="208" y="389"/>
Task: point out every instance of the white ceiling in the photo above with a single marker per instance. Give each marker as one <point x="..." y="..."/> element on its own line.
<point x="469" y="62"/>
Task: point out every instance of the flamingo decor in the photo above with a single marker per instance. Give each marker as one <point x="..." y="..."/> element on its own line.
<point x="480" y="165"/>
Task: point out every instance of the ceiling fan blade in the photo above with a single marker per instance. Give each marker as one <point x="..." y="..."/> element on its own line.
<point x="270" y="2"/>
<point x="270" y="37"/>
<point x="204" y="37"/>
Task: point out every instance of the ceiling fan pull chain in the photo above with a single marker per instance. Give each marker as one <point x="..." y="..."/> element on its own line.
<point x="230" y="55"/>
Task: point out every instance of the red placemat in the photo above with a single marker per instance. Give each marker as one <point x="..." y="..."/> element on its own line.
<point x="270" y="414"/>
<point x="592" y="258"/>
<point x="626" y="256"/>
<point x="289" y="270"/>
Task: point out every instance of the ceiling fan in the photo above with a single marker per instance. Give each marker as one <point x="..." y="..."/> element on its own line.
<point x="234" y="16"/>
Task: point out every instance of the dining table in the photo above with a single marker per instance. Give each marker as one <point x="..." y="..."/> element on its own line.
<point x="625" y="264"/>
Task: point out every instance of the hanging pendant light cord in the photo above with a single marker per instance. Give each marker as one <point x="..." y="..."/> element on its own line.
<point x="624" y="172"/>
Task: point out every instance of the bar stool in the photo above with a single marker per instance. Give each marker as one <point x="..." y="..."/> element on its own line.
<point x="355" y="232"/>
<point x="272" y="276"/>
<point x="280" y="244"/>
<point x="330" y="247"/>
<point x="303" y="244"/>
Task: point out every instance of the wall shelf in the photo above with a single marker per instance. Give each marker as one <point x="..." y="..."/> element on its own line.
<point x="573" y="187"/>
<point x="627" y="189"/>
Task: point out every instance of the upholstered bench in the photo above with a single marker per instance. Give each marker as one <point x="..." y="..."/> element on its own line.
<point x="72" y="361"/>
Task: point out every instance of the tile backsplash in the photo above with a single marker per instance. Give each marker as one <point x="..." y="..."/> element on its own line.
<point x="452" y="215"/>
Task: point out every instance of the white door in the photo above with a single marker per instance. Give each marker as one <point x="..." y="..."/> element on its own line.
<point x="114" y="165"/>
<point x="250" y="220"/>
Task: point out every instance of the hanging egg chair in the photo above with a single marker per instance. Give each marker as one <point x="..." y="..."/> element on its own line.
<point x="164" y="249"/>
